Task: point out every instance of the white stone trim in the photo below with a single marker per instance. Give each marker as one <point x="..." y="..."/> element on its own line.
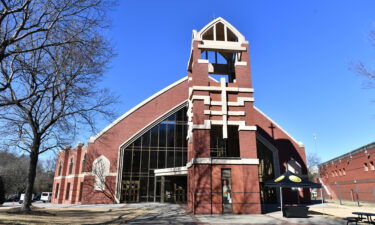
<point x="240" y="63"/>
<point x="220" y="113"/>
<point x="240" y="101"/>
<point x="224" y="107"/>
<point x="207" y="124"/>
<point x="217" y="161"/>
<point x="220" y="88"/>
<point x="81" y="175"/>
<point x="94" y="138"/>
<point x="236" y="113"/>
<point x="242" y="125"/>
<point x="206" y="99"/>
<point x="222" y="45"/>
<point x="300" y="144"/>
<point x="204" y="61"/>
<point x="70" y="176"/>
<point x="171" y="171"/>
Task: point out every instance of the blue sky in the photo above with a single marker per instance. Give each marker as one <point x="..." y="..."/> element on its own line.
<point x="300" y="52"/>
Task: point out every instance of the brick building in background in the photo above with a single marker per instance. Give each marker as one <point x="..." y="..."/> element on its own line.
<point x="350" y="176"/>
<point x="200" y="141"/>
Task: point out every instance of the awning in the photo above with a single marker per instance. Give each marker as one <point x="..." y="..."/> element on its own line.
<point x="289" y="180"/>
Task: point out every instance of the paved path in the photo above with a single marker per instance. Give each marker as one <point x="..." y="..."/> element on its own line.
<point x="174" y="214"/>
<point x="162" y="214"/>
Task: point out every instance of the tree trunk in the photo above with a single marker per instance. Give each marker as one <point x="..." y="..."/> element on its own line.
<point x="31" y="176"/>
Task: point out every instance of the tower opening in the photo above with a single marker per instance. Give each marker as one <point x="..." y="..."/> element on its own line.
<point x="221" y="147"/>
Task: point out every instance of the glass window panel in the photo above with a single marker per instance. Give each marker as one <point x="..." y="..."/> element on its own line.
<point x="179" y="115"/>
<point x="138" y="142"/>
<point x="184" y="159"/>
<point x="161" y="159"/>
<point x="136" y="161"/>
<point x="171" y="117"/>
<point x="151" y="184"/>
<point x="170" y="159"/>
<point x="146" y="139"/>
<point x="170" y="135"/>
<point x="154" y="136"/>
<point x="184" y="134"/>
<point x="143" y="188"/>
<point x="162" y="135"/>
<point x="145" y="158"/>
<point x="127" y="160"/>
<point x="153" y="159"/>
<point x="178" y="158"/>
<point x="179" y="135"/>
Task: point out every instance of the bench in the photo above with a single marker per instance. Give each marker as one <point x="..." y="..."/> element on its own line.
<point x="351" y="220"/>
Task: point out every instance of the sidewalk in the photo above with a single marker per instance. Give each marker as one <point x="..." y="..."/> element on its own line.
<point x="338" y="210"/>
<point x="175" y="214"/>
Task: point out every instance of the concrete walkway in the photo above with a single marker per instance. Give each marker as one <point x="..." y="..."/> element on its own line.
<point x="174" y="214"/>
<point x="162" y="214"/>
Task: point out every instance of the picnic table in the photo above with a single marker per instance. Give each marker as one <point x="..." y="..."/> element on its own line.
<point x="361" y="216"/>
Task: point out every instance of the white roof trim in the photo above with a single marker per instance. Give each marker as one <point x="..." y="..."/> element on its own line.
<point x="300" y="144"/>
<point x="93" y="139"/>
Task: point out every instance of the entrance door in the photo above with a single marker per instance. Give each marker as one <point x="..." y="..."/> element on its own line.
<point x="130" y="192"/>
<point x="174" y="189"/>
<point x="179" y="194"/>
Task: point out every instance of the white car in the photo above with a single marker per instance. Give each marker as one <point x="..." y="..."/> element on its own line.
<point x="23" y="198"/>
<point x="46" y="197"/>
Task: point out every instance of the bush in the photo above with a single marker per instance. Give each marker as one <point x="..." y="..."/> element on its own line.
<point x="2" y="192"/>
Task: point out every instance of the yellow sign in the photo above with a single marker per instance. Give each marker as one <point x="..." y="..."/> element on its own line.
<point x="295" y="178"/>
<point x="279" y="178"/>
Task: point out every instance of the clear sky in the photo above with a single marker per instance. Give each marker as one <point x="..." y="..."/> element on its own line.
<point x="300" y="52"/>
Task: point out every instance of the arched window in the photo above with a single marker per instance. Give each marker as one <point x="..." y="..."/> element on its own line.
<point x="162" y="146"/>
<point x="84" y="163"/>
<point x="100" y="169"/>
<point x="71" y="166"/>
<point x="220" y="30"/>
<point x="60" y="169"/>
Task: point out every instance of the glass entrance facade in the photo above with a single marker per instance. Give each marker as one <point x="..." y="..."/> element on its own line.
<point x="162" y="146"/>
<point x="266" y="172"/>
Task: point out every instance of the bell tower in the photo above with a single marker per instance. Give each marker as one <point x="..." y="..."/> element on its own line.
<point x="222" y="156"/>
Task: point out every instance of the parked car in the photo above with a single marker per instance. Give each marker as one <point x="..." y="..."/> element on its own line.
<point x="22" y="198"/>
<point x="46" y="197"/>
<point x="14" y="198"/>
<point x="37" y="197"/>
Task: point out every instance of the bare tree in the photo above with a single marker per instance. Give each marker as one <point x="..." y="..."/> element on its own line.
<point x="364" y="70"/>
<point x="52" y="57"/>
<point x="29" y="25"/>
<point x="13" y="169"/>
<point x="313" y="161"/>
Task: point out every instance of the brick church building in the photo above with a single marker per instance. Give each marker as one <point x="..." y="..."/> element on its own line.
<point x="199" y="141"/>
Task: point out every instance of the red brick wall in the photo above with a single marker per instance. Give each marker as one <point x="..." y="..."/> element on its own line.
<point x="346" y="178"/>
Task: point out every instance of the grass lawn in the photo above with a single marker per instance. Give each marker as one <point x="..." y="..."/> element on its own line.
<point x="70" y="215"/>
